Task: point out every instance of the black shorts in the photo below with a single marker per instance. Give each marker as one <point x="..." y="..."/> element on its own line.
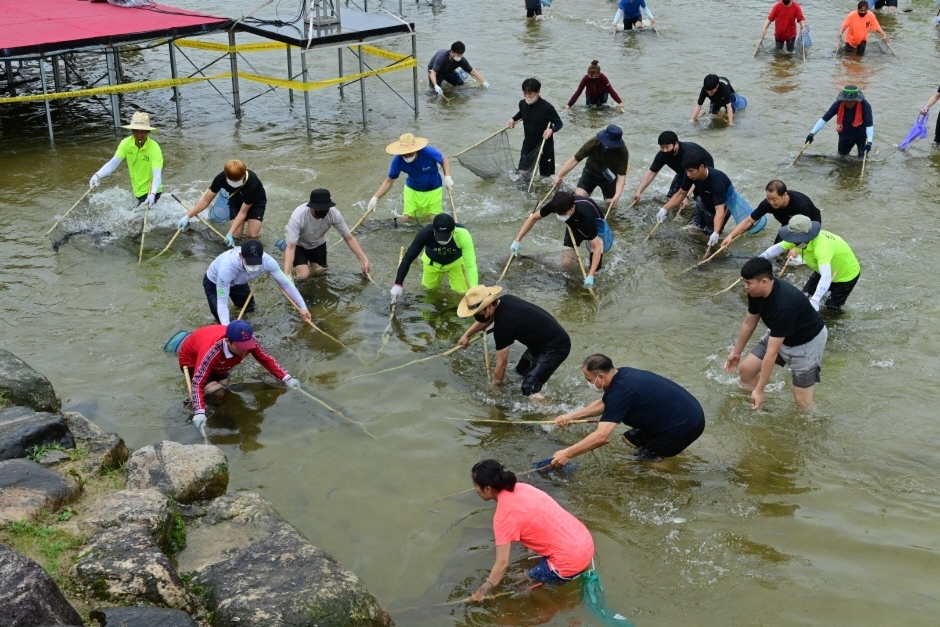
<point x="628" y="22"/>
<point x="536" y="368"/>
<point x="566" y="242"/>
<point x="665" y="445"/>
<point x="859" y="49"/>
<point x="791" y="43"/>
<point x="597" y="101"/>
<point x="531" y="150"/>
<point x="590" y="181"/>
<point x="847" y="143"/>
<point x="704" y="220"/>
<point x="534" y="11"/>
<point x="303" y="256"/>
<point x="254" y="213"/>
<point x="880" y="4"/>
<point x="838" y="292"/>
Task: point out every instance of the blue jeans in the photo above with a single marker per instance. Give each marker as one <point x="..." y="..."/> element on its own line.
<point x="542" y="572"/>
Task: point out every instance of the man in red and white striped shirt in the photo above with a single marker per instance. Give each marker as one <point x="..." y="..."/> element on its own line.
<point x="211" y="352"/>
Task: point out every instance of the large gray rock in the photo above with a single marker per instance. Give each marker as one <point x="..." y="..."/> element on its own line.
<point x="277" y="580"/>
<point x="21" y="428"/>
<point x="26" y="488"/>
<point x="29" y="596"/>
<point x="148" y="508"/>
<point x="123" y="564"/>
<point x="82" y="428"/>
<point x="107" y="451"/>
<point x="193" y="472"/>
<point x="21" y="385"/>
<point x="141" y="617"/>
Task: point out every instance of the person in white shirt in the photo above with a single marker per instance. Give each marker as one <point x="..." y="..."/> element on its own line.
<point x="305" y="252"/>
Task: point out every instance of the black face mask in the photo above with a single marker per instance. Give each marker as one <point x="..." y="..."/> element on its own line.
<point x="319" y="215"/>
<point x="482" y="319"/>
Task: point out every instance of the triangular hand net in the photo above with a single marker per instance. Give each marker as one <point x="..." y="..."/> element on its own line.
<point x="491" y="158"/>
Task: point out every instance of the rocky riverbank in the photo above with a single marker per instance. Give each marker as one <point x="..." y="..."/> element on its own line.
<point x="94" y="534"/>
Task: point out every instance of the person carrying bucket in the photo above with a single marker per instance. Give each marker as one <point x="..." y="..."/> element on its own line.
<point x="663" y="417"/>
<point x="581" y="216"/>
<point x="720" y="94"/>
<point x="424" y="187"/>
<point x="606" y="166"/>
<point x="515" y="320"/>
<point x="446" y="249"/>
<point x="144" y="161"/>
<point x="211" y="352"/>
<point x="240" y="189"/>
<point x="783" y="204"/>
<point x="531" y="517"/>
<point x="855" y="122"/>
<point x="718" y="200"/>
<point x="786" y="15"/>
<point x="597" y="88"/>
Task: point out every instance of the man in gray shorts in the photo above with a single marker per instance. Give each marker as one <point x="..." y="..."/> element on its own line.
<point x="796" y="335"/>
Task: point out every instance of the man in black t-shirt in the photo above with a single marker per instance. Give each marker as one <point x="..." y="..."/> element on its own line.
<point x="664" y="417"/>
<point x="242" y="190"/>
<point x="719" y="91"/>
<point x="782" y="204"/>
<point x="671" y="153"/>
<point x="580" y="214"/>
<point x="714" y="193"/>
<point x="796" y="335"/>
<point x="606" y="167"/>
<point x="536" y="115"/>
<point x="515" y="320"/>
<point x="444" y="64"/>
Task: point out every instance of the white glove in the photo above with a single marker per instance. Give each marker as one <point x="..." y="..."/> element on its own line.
<point x="373" y="203"/>
<point x="395" y="292"/>
<point x="448" y="182"/>
<point x="486" y="84"/>
<point x="661" y="216"/>
<point x="713" y="239"/>
<point x="183" y="224"/>
<point x="151" y="199"/>
<point x="438" y="89"/>
<point x="814" y="303"/>
<point x="95" y="180"/>
<point x="292" y="383"/>
<point x="199" y="420"/>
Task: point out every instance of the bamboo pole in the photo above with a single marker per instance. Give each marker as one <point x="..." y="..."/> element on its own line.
<point x="545" y="197"/>
<point x="201" y="219"/>
<point x="505" y="269"/>
<point x="69" y="211"/>
<point x="577" y="252"/>
<point x="518" y="474"/>
<point x="799" y="154"/>
<point x="167" y="247"/>
<point x="453" y="207"/>
<point x="538" y="158"/>
<point x="715" y="254"/>
<point x="315" y="327"/>
<point x="864" y="159"/>
<point x="143" y="232"/>
<point x="785" y="264"/>
<point x="386" y="334"/>
<point x="758" y="44"/>
<point x="524" y="422"/>
<point x="355" y="226"/>
<point x="337" y="412"/>
<point x="449" y="351"/>
<point x="727" y="289"/>
<point x="803" y="45"/>
<point x="655" y="226"/>
<point x="611" y="205"/>
<point x="486" y="344"/>
<point x="245" y="305"/>
<point x="891" y="49"/>
<point x="481" y="141"/>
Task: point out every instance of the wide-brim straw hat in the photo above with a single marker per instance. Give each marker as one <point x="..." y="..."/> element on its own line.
<point x="407" y="143"/>
<point x="477" y="298"/>
<point x="140" y="121"/>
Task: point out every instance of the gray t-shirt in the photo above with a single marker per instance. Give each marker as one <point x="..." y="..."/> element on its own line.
<point x="306" y="231"/>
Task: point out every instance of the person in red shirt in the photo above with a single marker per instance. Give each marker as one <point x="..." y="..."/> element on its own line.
<point x="526" y="514"/>
<point x="785" y="15"/>
<point x="211" y="352"/>
<point x="598" y="88"/>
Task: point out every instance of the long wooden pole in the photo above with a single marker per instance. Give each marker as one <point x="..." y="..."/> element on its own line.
<point x="386" y="334"/>
<point x="785" y="264"/>
<point x="337" y="412"/>
<point x="486" y="344"/>
<point x="245" y="305"/>
<point x="200" y="218"/>
<point x="577" y="252"/>
<point x="453" y="207"/>
<point x="189" y="386"/>
<point x="891" y="49"/>
<point x="524" y="422"/>
<point x="505" y="269"/>
<point x="69" y="211"/>
<point x="727" y="289"/>
<point x="611" y="205"/>
<point x="538" y="158"/>
<point x="505" y="128"/>
<point x="715" y="254"/>
<point x="544" y="198"/>
<point x="167" y="247"/>
<point x="310" y="322"/>
<point x="355" y="226"/>
<point x="799" y="154"/>
<point x="758" y="45"/>
<point x="655" y="226"/>
<point x="864" y="159"/>
<point x="449" y="351"/>
<point x="518" y="474"/>
<point x="143" y="232"/>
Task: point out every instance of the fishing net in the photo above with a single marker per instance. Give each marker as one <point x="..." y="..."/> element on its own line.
<point x="918" y="131"/>
<point x="592" y="596"/>
<point x="173" y="344"/>
<point x="491" y="158"/>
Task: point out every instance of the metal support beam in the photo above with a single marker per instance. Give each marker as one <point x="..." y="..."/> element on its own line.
<point x="340" y="75"/>
<point x="118" y="65"/>
<point x="233" y="56"/>
<point x="290" y="74"/>
<point x="303" y="67"/>
<point x="10" y="86"/>
<point x="176" y="90"/>
<point x="414" y="70"/>
<point x="42" y="76"/>
<point x="56" y="75"/>
<point x="362" y="89"/>
<point x="109" y="57"/>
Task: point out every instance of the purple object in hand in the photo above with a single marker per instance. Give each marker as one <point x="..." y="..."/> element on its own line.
<point x="918" y="131"/>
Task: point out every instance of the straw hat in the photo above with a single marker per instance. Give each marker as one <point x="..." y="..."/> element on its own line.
<point x="477" y="299"/>
<point x="407" y="143"/>
<point x="140" y="122"/>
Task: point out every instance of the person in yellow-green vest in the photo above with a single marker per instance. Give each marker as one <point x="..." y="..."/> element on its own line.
<point x="835" y="268"/>
<point x="144" y="161"/>
<point x="447" y="250"/>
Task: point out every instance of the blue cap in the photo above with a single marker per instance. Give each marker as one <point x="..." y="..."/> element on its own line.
<point x="240" y="334"/>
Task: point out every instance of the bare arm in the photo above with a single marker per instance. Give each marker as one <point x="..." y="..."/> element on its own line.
<point x="621" y="181"/>
<point x="763" y="31"/>
<point x="502" y="358"/>
<point x="720" y="212"/>
<point x="202" y="203"/>
<point x="384" y="187"/>
<point x="596" y="439"/>
<point x="597" y="251"/>
<point x="445" y="165"/>
<point x="696" y="111"/>
<point x="239" y="221"/>
<point x="503" y="552"/>
<point x="354" y="246"/>
<point x="596" y="408"/>
<point x="534" y="217"/>
<point x="739" y="228"/>
<point x="747" y="330"/>
<point x="433" y="76"/>
<point x="478" y="76"/>
<point x="766" y="369"/>
<point x="476" y="327"/>
<point x="289" y="258"/>
<point x="931" y="102"/>
<point x="648" y="177"/>
<point x="565" y="169"/>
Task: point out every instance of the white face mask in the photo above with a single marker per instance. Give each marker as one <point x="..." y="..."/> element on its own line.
<point x="410" y="159"/>
<point x="562" y="217"/>
<point x="232" y="183"/>
<point x="458" y="59"/>
<point x="252" y="268"/>
<point x="593" y="385"/>
<point x="530" y="99"/>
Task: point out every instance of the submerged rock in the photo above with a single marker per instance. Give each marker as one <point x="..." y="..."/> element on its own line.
<point x="21" y="385"/>
<point x="141" y="617"/>
<point x="188" y="473"/>
<point x="26" y="488"/>
<point x="123" y="564"/>
<point x="148" y="508"/>
<point x="22" y="428"/>
<point x="29" y="596"/>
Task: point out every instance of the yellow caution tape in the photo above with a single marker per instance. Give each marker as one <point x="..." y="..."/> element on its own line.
<point x="208" y="45"/>
<point x="394" y="56"/>
<point x="114" y="89"/>
<point x="309" y="86"/>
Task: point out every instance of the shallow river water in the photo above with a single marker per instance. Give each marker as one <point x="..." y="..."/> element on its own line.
<point x="773" y="517"/>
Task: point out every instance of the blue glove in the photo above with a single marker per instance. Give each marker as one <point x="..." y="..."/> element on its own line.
<point x="809" y="138"/>
<point x="514" y="248"/>
<point x="230" y="240"/>
<point x="589" y="281"/>
<point x="868" y="147"/>
<point x="292" y="383"/>
<point x="281" y="244"/>
<point x="183" y="223"/>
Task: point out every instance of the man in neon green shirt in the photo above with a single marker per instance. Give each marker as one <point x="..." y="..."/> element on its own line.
<point x="144" y="161"/>
<point x="836" y="270"/>
<point x="445" y="248"/>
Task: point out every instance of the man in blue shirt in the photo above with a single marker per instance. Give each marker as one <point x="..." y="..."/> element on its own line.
<point x="423" y="187"/>
<point x="664" y="418"/>
<point x="629" y="10"/>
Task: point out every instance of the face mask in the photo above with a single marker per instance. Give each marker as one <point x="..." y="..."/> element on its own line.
<point x="445" y="242"/>
<point x="562" y="217"/>
<point x="482" y="319"/>
<point x="232" y="183"/>
<point x="593" y="385"/>
<point x="458" y="59"/>
<point x="530" y="99"/>
<point x="410" y="159"/>
<point x="252" y="268"/>
<point x="319" y="215"/>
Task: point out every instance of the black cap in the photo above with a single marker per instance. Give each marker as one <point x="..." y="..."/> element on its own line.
<point x="443" y="227"/>
<point x="320" y="199"/>
<point x="252" y="251"/>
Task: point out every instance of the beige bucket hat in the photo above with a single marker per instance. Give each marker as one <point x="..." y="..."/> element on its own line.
<point x="140" y="121"/>
<point x="407" y="143"/>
